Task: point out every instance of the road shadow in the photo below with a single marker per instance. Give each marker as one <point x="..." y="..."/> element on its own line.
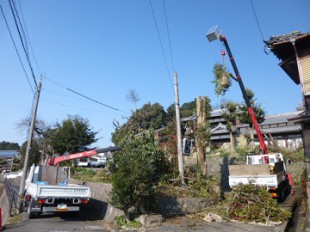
<point x="224" y="176"/>
<point x="94" y="210"/>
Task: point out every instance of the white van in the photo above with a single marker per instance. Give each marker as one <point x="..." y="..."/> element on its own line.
<point x="83" y="162"/>
<point x="97" y="161"/>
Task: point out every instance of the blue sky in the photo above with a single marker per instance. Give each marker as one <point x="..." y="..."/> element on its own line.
<point x="104" y="48"/>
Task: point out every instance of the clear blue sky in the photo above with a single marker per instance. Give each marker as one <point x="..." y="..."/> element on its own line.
<point x="103" y="48"/>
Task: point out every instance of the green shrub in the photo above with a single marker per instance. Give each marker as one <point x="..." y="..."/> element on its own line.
<point x="204" y="187"/>
<point x="136" y="170"/>
<point x="3" y="161"/>
<point x="294" y="155"/>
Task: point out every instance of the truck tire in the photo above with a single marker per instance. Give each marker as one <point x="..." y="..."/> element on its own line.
<point x="284" y="189"/>
<point x="281" y="195"/>
<point x="31" y="214"/>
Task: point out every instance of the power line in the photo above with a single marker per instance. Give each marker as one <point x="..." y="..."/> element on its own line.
<point x="111" y="107"/>
<point x="15" y="47"/>
<point x="257" y="22"/>
<point x="22" y="37"/>
<point x="161" y="43"/>
<point x="27" y="36"/>
<point x="84" y="108"/>
<point x="82" y="95"/>
<point x="169" y="38"/>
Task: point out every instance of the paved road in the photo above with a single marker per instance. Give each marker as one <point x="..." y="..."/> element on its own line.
<point x="54" y="223"/>
<point x="70" y="223"/>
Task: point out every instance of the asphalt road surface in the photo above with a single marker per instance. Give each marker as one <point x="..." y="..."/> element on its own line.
<point x="54" y="223"/>
<point x="71" y="223"/>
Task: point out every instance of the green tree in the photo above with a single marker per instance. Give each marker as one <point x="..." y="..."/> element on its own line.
<point x="73" y="134"/>
<point x="231" y="111"/>
<point x="171" y="112"/>
<point x="258" y="111"/>
<point x="42" y="133"/>
<point x="9" y="146"/>
<point x="186" y="110"/>
<point x="138" y="167"/>
<point x="150" y="116"/>
<point x="34" y="153"/>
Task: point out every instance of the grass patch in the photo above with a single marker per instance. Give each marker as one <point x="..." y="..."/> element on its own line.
<point x="91" y="175"/>
<point x="122" y="222"/>
<point x="15" y="219"/>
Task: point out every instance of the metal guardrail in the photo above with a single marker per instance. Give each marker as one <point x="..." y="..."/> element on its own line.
<point x="12" y="192"/>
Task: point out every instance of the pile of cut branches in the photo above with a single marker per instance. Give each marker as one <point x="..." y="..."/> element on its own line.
<point x="251" y="203"/>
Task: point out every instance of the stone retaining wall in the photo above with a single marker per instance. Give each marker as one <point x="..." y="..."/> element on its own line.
<point x="100" y="206"/>
<point x="181" y="206"/>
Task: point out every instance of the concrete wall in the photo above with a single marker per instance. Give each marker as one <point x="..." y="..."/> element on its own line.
<point x="4" y="205"/>
<point x="218" y="167"/>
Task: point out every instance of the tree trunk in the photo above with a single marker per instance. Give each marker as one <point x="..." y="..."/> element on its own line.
<point x="232" y="142"/>
<point x="200" y="139"/>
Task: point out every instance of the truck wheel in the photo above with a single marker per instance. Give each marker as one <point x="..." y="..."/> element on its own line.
<point x="288" y="190"/>
<point x="31" y="214"/>
<point x="281" y="195"/>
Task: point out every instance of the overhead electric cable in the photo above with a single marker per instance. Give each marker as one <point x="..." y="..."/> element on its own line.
<point x="92" y="99"/>
<point x="78" y="107"/>
<point x="161" y="43"/>
<point x="169" y="38"/>
<point x="55" y="82"/>
<point x="27" y="36"/>
<point x="257" y="22"/>
<point x="20" y="25"/>
<point x="82" y="95"/>
<point x="20" y="60"/>
<point x="21" y="34"/>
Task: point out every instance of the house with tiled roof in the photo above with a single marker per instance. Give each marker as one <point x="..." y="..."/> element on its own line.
<point x="293" y="51"/>
<point x="277" y="127"/>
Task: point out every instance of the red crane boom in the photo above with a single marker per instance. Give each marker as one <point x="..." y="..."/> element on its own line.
<point x="55" y="161"/>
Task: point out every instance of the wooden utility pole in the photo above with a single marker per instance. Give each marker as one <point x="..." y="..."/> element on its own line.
<point x="178" y="125"/>
<point x="23" y="177"/>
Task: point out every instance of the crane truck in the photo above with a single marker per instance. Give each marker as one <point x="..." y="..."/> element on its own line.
<point x="266" y="170"/>
<point x="47" y="188"/>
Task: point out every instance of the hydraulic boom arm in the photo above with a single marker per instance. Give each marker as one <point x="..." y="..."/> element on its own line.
<point x="245" y="96"/>
<point x="55" y="161"/>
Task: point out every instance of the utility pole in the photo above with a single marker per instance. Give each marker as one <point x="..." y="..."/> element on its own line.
<point x="178" y="125"/>
<point x="23" y="177"/>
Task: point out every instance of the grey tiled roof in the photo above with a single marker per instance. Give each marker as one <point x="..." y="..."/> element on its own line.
<point x="220" y="129"/>
<point x="216" y="113"/>
<point x="276" y="130"/>
<point x="284" y="38"/>
<point x="279" y="118"/>
<point x="191" y="118"/>
<point x="285" y="129"/>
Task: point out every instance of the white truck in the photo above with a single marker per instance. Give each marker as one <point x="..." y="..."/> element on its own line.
<point x="47" y="190"/>
<point x="267" y="170"/>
